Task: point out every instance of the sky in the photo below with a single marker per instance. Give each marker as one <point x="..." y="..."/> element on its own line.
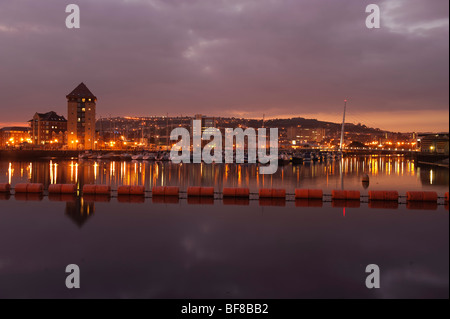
<point x="242" y="58"/>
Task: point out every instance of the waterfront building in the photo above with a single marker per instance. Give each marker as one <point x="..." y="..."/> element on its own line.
<point x="300" y="135"/>
<point x="48" y="128"/>
<point x="81" y="110"/>
<point x="435" y="144"/>
<point x="207" y="122"/>
<point x="14" y="136"/>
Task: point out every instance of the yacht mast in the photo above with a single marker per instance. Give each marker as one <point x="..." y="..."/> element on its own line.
<point x="343" y="126"/>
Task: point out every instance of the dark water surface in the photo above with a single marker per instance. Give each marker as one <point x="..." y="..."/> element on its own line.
<point x="188" y="249"/>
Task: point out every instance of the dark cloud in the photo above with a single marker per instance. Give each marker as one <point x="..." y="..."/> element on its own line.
<point x="228" y="57"/>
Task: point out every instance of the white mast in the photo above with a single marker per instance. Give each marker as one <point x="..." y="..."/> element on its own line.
<point x="343" y="125"/>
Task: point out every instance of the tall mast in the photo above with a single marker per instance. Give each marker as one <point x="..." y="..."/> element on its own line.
<point x="167" y="129"/>
<point x="343" y="125"/>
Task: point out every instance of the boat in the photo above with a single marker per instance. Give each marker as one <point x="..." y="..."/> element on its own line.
<point x="165" y="156"/>
<point x="149" y="157"/>
<point x="84" y="155"/>
<point x="283" y="159"/>
<point x="297" y="159"/>
<point x="307" y="157"/>
<point x="105" y="156"/>
<point x="137" y="157"/>
<point x="314" y="157"/>
<point x="125" y="157"/>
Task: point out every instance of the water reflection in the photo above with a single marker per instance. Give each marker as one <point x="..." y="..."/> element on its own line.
<point x="79" y="210"/>
<point x="390" y="172"/>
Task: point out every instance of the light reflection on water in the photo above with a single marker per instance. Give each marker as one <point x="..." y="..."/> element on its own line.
<point x="388" y="173"/>
<point x="144" y="248"/>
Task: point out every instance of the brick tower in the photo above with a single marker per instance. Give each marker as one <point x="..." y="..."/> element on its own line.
<point x="81" y="118"/>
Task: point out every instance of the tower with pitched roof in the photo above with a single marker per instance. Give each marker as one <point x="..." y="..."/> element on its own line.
<point x="81" y="118"/>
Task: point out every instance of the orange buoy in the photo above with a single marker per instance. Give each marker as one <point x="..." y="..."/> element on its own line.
<point x="236" y="192"/>
<point x="422" y="196"/>
<point x="54" y="189"/>
<point x="265" y="193"/>
<point x="62" y="189"/>
<point x="21" y="188"/>
<point x="315" y="194"/>
<point x="123" y="190"/>
<point x="446" y="197"/>
<point x="337" y="194"/>
<point x="309" y="194"/>
<point x="171" y="191"/>
<point x="5" y="188"/>
<point x="383" y="195"/>
<point x="229" y="192"/>
<point x="131" y="190"/>
<point x="301" y="193"/>
<point x="35" y="188"/>
<point x="68" y="189"/>
<point x="345" y="195"/>
<point x="102" y="190"/>
<point x="200" y="191"/>
<point x="278" y="193"/>
<point x="97" y="190"/>
<point x="207" y="191"/>
<point x="89" y="189"/>
<point x="272" y="193"/>
<point x="193" y="191"/>
<point x="353" y="195"/>
<point x="243" y="192"/>
<point x="158" y="191"/>
<point x="137" y="190"/>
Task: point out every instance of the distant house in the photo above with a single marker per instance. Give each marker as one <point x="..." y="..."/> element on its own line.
<point x="48" y="128"/>
<point x="14" y="136"/>
<point x="435" y="144"/>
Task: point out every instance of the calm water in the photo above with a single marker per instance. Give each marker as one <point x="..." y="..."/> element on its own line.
<point x="212" y="249"/>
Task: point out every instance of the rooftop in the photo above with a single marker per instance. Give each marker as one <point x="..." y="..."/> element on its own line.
<point x="15" y="128"/>
<point x="81" y="91"/>
<point x="50" y="116"/>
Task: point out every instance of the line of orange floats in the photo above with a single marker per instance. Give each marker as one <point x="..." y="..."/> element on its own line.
<point x="234" y="196"/>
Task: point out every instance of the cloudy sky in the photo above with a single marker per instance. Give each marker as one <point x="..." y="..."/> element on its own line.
<point x="280" y="58"/>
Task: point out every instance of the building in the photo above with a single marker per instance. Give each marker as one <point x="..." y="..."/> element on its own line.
<point x="48" y="128"/>
<point x="299" y="135"/>
<point x="207" y="122"/>
<point x="435" y="144"/>
<point x="81" y="104"/>
<point x="14" y="136"/>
